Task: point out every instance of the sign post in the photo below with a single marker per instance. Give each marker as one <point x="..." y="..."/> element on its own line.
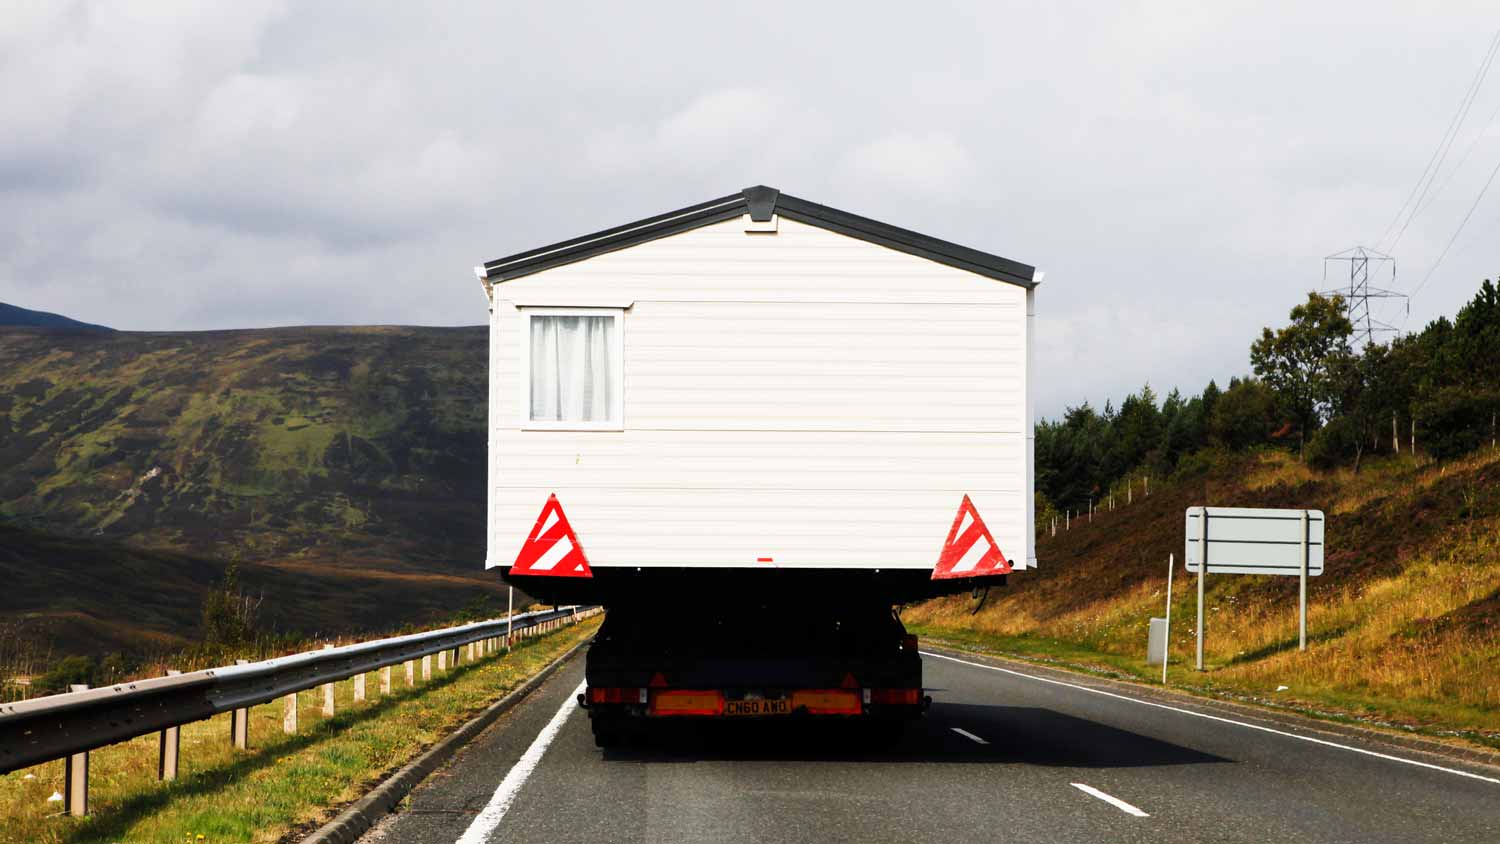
<point x="1302" y="591"/>
<point x="1167" y="651"/>
<point x="1202" y="573"/>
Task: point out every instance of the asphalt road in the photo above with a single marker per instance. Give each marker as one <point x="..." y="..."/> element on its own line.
<point x="1001" y="756"/>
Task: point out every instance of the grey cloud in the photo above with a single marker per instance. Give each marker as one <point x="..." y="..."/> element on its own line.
<point x="1178" y="169"/>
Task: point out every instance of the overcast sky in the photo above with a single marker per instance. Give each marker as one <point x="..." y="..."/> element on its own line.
<point x="1179" y="170"/>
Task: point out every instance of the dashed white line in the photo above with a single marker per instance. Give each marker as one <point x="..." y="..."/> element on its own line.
<point x="968" y="735"/>
<point x="490" y="817"/>
<point x="1111" y="800"/>
<point x="1386" y="756"/>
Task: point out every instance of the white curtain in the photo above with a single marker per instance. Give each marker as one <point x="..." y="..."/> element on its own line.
<point x="572" y="368"/>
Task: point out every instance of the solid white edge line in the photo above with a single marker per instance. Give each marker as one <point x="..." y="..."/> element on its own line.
<point x="1111" y="800"/>
<point x="493" y="812"/>
<point x="1223" y="720"/>
<point x="968" y="735"/>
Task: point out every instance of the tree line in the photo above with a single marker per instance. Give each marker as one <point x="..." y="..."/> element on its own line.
<point x="1310" y="390"/>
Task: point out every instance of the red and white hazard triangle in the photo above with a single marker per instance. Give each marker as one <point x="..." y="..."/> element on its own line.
<point x="970" y="550"/>
<point x="552" y="549"/>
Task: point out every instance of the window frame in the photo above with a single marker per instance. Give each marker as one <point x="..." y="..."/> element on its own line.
<point x="616" y="422"/>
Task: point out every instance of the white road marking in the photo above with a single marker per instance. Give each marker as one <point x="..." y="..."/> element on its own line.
<point x="491" y="815"/>
<point x="968" y="735"/>
<point x="1111" y="800"/>
<point x="1221" y="719"/>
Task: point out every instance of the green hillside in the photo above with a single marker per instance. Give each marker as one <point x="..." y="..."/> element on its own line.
<point x="343" y="467"/>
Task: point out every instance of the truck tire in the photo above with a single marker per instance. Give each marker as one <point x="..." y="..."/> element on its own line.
<point x="607" y="733"/>
<point x="884" y="735"/>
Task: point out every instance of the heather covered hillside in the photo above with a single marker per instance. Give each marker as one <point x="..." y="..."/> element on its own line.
<point x="343" y="466"/>
<point x="1403" y="626"/>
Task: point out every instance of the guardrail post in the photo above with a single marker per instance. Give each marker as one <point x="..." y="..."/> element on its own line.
<point x="385" y="680"/>
<point x="411" y="672"/>
<point x="289" y="714"/>
<point x="239" y="721"/>
<point x="328" y="693"/>
<point x="359" y="687"/>
<point x="76" y="789"/>
<point x="427" y="668"/>
<point x="442" y="660"/>
<point x="171" y="744"/>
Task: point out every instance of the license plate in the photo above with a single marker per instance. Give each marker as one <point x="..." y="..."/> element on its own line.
<point x="757" y="707"/>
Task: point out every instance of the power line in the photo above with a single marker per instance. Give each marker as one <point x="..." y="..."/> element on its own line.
<point x="1440" y="154"/>
<point x="1474" y="144"/>
<point x="1457" y="231"/>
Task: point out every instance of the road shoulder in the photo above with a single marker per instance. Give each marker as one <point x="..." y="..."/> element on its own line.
<point x="360" y="816"/>
<point x="1289" y="721"/>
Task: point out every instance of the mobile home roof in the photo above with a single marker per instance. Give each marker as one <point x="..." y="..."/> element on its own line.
<point x="761" y="203"/>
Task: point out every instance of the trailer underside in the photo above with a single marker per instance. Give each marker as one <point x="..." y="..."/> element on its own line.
<point x="617" y="585"/>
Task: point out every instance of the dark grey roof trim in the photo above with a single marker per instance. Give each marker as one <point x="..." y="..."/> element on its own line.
<point x="761" y="203"/>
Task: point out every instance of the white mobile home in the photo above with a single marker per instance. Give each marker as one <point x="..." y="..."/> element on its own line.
<point x="759" y="382"/>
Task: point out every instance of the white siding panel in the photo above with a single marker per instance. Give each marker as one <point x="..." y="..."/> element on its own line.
<point x="802" y="396"/>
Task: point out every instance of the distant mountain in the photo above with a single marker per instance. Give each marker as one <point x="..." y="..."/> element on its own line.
<point x="12" y="315"/>
<point x="343" y="467"/>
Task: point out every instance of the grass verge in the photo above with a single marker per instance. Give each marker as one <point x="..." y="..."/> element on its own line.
<point x="284" y="781"/>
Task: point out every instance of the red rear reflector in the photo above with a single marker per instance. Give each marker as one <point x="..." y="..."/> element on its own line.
<point x="658" y="681"/>
<point x="826" y="701"/>
<point x="903" y="697"/>
<point x="849" y="682"/>
<point x="612" y="695"/>
<point x="687" y="702"/>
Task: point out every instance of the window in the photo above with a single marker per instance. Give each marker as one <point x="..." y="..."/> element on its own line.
<point x="574" y="360"/>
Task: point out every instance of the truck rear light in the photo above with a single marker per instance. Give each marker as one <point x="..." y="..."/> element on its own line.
<point x="616" y="695"/>
<point x="686" y="702"/>
<point x="908" y="642"/>
<point x="827" y="701"/>
<point x="899" y="697"/>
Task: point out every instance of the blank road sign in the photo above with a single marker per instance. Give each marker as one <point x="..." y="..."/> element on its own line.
<point x="1249" y="540"/>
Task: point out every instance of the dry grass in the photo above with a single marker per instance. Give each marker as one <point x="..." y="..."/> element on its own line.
<point x="282" y="781"/>
<point x="1404" y="627"/>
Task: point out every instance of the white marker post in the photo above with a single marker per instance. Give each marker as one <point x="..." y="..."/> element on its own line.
<point x="510" y="615"/>
<point x="1166" y="651"/>
<point x="1302" y="590"/>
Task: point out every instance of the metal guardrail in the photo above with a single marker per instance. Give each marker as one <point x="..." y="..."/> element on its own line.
<point x="68" y="725"/>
